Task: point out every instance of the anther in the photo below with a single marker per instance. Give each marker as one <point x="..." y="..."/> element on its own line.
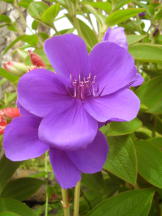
<point x="84" y="87"/>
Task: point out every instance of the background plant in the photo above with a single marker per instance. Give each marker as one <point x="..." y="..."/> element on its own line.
<point x="131" y="181"/>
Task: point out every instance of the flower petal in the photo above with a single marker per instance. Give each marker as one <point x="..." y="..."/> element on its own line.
<point x="68" y="55"/>
<point x="21" y="139"/>
<point x="92" y="158"/>
<point x="113" y="67"/>
<point x="72" y="128"/>
<point x="138" y="80"/>
<point x="40" y="90"/>
<point x="116" y="35"/>
<point x="65" y="171"/>
<point x="122" y="105"/>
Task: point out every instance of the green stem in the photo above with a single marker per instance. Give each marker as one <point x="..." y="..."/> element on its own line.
<point x="154" y="126"/>
<point x="46" y="183"/>
<point x="65" y="202"/>
<point x="76" y="199"/>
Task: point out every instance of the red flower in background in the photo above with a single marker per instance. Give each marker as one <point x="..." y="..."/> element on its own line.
<point x="3" y="124"/>
<point x="6" y="115"/>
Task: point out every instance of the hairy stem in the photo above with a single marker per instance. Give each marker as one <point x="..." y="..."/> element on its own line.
<point x="76" y="199"/>
<point x="65" y="202"/>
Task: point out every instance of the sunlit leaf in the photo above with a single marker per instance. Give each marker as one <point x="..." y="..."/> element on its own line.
<point x="24" y="3"/>
<point x="122" y="15"/>
<point x="32" y="40"/>
<point x="36" y="9"/>
<point x="50" y="13"/>
<point x="146" y="52"/>
<point x="134" y="38"/>
<point x="10" y="77"/>
<point x="119" y="3"/>
<point x="4" y="18"/>
<point x="106" y="6"/>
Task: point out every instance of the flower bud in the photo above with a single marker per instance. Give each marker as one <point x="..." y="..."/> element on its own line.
<point x="15" y="67"/>
<point x="8" y="65"/>
<point x="142" y="14"/>
<point x="156" y="32"/>
<point x="36" y="59"/>
<point x="11" y="112"/>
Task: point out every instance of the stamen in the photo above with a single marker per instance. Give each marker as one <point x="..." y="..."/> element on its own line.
<point x="75" y="87"/>
<point x="84" y="87"/>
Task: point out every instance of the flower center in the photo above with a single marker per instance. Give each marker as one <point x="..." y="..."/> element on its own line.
<point x="84" y="87"/>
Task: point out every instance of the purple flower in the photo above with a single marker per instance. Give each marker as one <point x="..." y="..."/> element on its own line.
<point x="117" y="35"/>
<point x="21" y="142"/>
<point x="64" y="109"/>
<point x="86" y="89"/>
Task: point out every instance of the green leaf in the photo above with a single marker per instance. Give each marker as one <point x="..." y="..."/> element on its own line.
<point x="93" y="187"/>
<point x="122" y="158"/>
<point x="131" y="203"/>
<point x="7" y="169"/>
<point x="149" y="162"/>
<point x="24" y="3"/>
<point x="150" y="94"/>
<point x="87" y="33"/>
<point x="15" y="206"/>
<point x="35" y="24"/>
<point x="106" y="6"/>
<point x="146" y="52"/>
<point x="4" y="18"/>
<point x="10" y="97"/>
<point x="9" y="1"/>
<point x="157" y="142"/>
<point x="3" y="25"/>
<point x="122" y="15"/>
<point x="10" y="77"/>
<point x="121" y="128"/>
<point x="32" y="40"/>
<point x="99" y="17"/>
<point x="36" y="9"/>
<point x="134" y="38"/>
<point x="158" y="15"/>
<point x="7" y="213"/>
<point x="65" y="31"/>
<point x="119" y="3"/>
<point x="12" y="27"/>
<point x="21" y="188"/>
<point x="144" y="133"/>
<point x="50" y="13"/>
